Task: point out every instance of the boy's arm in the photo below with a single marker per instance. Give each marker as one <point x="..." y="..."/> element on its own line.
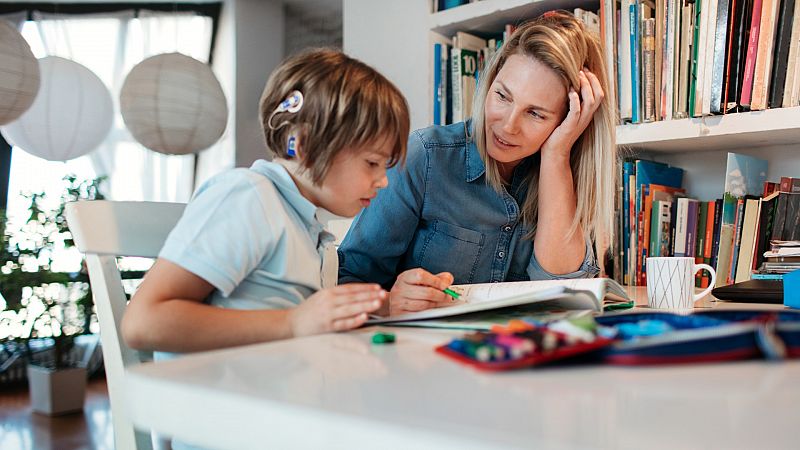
<point x="167" y="313"/>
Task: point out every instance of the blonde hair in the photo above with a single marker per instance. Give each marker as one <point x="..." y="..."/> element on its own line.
<point x="346" y="104"/>
<point x="561" y="42"/>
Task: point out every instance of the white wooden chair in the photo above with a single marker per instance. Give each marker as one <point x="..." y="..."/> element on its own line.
<point x="103" y="230"/>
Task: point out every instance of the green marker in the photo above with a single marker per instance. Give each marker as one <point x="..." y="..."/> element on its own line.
<point x="451" y="293"/>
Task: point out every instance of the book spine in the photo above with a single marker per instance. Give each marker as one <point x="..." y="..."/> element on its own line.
<point x="681" y="221"/>
<point x="693" y="71"/>
<point x="781" y="57"/>
<point x="791" y="226"/>
<point x="437" y="84"/>
<point x="634" y="41"/>
<point x="708" y="58"/>
<point x="737" y="239"/>
<point x="718" y="71"/>
<point x="455" y="83"/>
<point x="648" y="58"/>
<point x="752" y="50"/>
<point x="717" y="227"/>
<point x="763" y="68"/>
<point x="691" y="227"/>
<point x="780" y="217"/>
<point x="738" y="32"/>
<point x="793" y="62"/>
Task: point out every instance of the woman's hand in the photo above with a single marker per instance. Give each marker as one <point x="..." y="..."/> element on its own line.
<point x="336" y="309"/>
<point x="418" y="290"/>
<point x="581" y="111"/>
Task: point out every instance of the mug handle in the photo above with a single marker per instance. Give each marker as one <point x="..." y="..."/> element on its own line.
<point x="711" y="284"/>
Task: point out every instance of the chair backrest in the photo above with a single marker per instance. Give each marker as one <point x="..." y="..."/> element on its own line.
<point x="104" y="230"/>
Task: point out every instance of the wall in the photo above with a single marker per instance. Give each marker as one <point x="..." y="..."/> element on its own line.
<point x="372" y="30"/>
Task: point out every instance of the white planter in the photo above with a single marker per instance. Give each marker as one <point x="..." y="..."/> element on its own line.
<point x="56" y="392"/>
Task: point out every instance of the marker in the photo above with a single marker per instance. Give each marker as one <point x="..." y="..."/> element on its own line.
<point x="451" y="293"/>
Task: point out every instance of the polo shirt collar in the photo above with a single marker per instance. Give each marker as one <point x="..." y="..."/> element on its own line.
<point x="278" y="172"/>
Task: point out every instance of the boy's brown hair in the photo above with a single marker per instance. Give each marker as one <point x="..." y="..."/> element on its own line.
<point x="346" y="104"/>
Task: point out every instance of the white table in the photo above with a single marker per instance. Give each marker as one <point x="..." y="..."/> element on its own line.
<point x="340" y="391"/>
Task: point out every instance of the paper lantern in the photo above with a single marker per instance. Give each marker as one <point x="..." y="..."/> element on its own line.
<point x="71" y="115"/>
<point x="173" y="104"/>
<point x="19" y="74"/>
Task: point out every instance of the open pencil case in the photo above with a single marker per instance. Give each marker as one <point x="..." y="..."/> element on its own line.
<point x="506" y="348"/>
<point x="668" y="338"/>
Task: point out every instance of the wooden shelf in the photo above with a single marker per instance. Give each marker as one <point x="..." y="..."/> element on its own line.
<point x="773" y="127"/>
<point x="488" y="17"/>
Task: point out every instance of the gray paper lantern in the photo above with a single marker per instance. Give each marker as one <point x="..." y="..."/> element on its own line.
<point x="19" y="74"/>
<point x="173" y="104"/>
<point x="71" y="116"/>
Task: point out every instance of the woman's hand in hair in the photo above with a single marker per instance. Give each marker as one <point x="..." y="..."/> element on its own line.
<point x="582" y="107"/>
<point x="418" y="290"/>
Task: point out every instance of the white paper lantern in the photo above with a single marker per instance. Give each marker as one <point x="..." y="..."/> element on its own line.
<point x="173" y="104"/>
<point x="70" y="117"/>
<point x="19" y="74"/>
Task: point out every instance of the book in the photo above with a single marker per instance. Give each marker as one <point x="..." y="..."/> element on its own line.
<point x="763" y="66"/>
<point x="718" y="60"/>
<point x="569" y="294"/>
<point x="750" y="59"/>
<point x="781" y="56"/>
<point x="791" y="88"/>
<point x="748" y="241"/>
<point x="738" y="34"/>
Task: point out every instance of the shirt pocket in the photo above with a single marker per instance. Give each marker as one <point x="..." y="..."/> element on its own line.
<point x="450" y="248"/>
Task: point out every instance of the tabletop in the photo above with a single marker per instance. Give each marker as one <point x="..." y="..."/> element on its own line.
<point x="341" y="391"/>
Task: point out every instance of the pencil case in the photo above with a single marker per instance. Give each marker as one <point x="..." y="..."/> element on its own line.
<point x="528" y="346"/>
<point x="702" y="337"/>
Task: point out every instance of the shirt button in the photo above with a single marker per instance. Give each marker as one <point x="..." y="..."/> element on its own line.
<point x="506" y="228"/>
<point x="501" y="254"/>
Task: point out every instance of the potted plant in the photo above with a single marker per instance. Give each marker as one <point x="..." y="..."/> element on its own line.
<point x="52" y="306"/>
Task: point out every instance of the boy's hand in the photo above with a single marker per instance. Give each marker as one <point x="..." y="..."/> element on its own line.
<point x="336" y="309"/>
<point x="418" y="290"/>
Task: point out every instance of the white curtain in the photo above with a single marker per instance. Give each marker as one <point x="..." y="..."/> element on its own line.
<point x="110" y="44"/>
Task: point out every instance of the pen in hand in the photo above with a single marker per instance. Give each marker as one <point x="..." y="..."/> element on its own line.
<point x="451" y="293"/>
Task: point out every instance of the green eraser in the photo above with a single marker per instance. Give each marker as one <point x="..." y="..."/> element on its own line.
<point x="382" y="338"/>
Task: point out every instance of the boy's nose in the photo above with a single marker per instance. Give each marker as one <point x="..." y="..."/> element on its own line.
<point x="382" y="182"/>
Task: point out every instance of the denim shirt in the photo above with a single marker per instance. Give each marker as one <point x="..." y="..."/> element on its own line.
<point x="440" y="214"/>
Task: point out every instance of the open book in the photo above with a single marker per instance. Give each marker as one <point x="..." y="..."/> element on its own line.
<point x="579" y="293"/>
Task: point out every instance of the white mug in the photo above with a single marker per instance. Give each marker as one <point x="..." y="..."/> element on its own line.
<point x="670" y="282"/>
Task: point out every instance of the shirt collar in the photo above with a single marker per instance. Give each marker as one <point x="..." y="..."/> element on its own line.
<point x="278" y="172"/>
<point x="474" y="164"/>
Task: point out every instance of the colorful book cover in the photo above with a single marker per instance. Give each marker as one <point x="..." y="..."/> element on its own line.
<point x="744" y="175"/>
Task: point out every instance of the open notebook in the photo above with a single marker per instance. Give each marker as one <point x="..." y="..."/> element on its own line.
<point x="580" y="293"/>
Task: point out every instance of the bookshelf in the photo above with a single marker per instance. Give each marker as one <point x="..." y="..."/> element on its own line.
<point x="771" y="127"/>
<point x="488" y="16"/>
<point x="698" y="145"/>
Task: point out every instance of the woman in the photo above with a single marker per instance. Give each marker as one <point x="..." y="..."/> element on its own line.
<point x="518" y="192"/>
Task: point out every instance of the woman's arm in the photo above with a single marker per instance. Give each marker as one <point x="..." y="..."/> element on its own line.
<point x="167" y="314"/>
<point x="555" y="251"/>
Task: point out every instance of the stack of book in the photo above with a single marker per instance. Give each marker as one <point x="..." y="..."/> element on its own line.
<point x="782" y="257"/>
